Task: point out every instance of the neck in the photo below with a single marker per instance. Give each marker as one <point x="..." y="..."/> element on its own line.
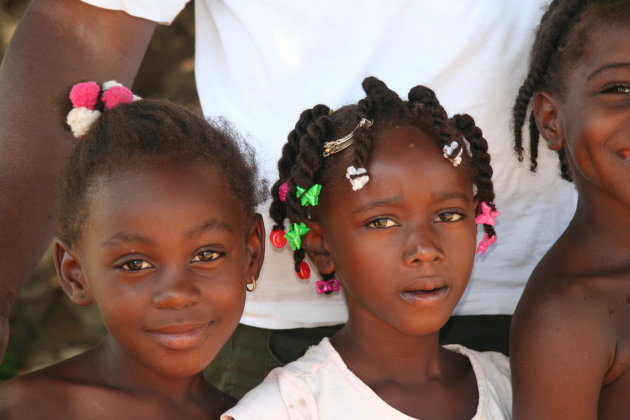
<point x="376" y="353"/>
<point x="599" y="230"/>
<point x="121" y="371"/>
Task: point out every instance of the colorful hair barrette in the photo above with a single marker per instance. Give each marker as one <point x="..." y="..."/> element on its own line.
<point x="310" y="196"/>
<point x="357" y="177"/>
<point x="336" y="146"/>
<point x="448" y="150"/>
<point x="304" y="270"/>
<point x="487" y="216"/>
<point x="283" y="189"/>
<point x="485" y="243"/>
<point x="294" y="235"/>
<point x="277" y="239"/>
<point x="327" y="286"/>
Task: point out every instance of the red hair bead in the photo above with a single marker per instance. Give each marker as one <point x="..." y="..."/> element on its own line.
<point x="277" y="239"/>
<point x="305" y="271"/>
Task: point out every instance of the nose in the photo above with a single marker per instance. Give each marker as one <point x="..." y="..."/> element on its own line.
<point x="422" y="245"/>
<point x="177" y="290"/>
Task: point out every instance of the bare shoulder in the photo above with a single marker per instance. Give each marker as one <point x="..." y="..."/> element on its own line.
<point x="36" y="395"/>
<point x="562" y="343"/>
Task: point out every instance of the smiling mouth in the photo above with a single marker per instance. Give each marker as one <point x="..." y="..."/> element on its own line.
<point x="425" y="296"/>
<point x="181" y="337"/>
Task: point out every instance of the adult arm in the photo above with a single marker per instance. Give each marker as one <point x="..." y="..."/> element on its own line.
<point x="58" y="42"/>
<point x="559" y="354"/>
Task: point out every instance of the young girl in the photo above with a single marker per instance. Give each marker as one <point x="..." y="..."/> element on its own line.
<point x="570" y="343"/>
<point x="383" y="196"/>
<point x="158" y="229"/>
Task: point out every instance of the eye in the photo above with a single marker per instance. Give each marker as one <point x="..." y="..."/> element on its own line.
<point x="135" y="265"/>
<point x="207" y="255"/>
<point x="448" y="217"/>
<point x="382" y="223"/>
<point x="617" y="89"/>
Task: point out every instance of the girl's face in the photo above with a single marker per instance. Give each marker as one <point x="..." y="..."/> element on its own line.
<point x="403" y="246"/>
<point x="594" y="115"/>
<point x="165" y="253"/>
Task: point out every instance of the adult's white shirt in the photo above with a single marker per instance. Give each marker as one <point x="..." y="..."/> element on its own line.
<point x="259" y="63"/>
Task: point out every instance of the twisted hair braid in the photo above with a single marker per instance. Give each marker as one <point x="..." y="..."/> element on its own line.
<point x="480" y="161"/>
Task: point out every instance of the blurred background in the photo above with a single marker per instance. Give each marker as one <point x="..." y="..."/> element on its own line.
<point x="45" y="326"/>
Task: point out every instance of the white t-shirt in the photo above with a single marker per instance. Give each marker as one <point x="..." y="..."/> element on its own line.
<point x="320" y="386"/>
<point x="259" y="63"/>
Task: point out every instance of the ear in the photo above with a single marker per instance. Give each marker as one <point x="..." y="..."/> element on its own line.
<point x="68" y="266"/>
<point x="316" y="248"/>
<point x="548" y="120"/>
<point x="255" y="247"/>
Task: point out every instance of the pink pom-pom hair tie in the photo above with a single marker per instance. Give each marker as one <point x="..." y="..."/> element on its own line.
<point x="84" y="97"/>
<point x="115" y="96"/>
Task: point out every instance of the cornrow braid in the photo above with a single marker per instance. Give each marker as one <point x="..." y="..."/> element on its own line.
<point x="303" y="164"/>
<point x="480" y="161"/>
<point x="559" y="43"/>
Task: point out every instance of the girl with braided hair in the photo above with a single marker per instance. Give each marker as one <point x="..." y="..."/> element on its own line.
<point x="384" y="197"/>
<point x="570" y="338"/>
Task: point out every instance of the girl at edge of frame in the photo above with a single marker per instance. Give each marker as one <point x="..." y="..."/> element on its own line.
<point x="158" y="229"/>
<point x="570" y="342"/>
<point x="384" y="197"/>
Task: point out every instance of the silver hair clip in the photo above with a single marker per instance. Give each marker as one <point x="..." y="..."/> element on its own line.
<point x="448" y="150"/>
<point x="332" y="147"/>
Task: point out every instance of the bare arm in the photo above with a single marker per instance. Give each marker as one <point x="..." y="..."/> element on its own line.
<point x="559" y="354"/>
<point x="57" y="43"/>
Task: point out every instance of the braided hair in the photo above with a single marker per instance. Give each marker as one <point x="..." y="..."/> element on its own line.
<point x="303" y="164"/>
<point x="560" y="43"/>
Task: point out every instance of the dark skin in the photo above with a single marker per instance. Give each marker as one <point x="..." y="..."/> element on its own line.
<point x="165" y="253"/>
<point x="570" y="338"/>
<point x="402" y="282"/>
<point x="57" y="43"/>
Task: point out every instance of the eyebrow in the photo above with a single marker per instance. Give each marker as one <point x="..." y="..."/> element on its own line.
<point x="437" y="195"/>
<point x="607" y="67"/>
<point x="379" y="203"/>
<point x="443" y="195"/>
<point x="209" y="225"/>
<point x="122" y="237"/>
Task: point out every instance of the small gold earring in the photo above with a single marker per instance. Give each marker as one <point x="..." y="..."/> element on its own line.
<point x="253" y="285"/>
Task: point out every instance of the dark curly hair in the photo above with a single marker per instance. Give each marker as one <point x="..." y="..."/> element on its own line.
<point x="302" y="163"/>
<point x="146" y="131"/>
<point x="560" y="43"/>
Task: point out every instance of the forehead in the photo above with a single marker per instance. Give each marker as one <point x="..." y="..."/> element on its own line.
<point x="175" y="194"/>
<point x="411" y="153"/>
<point x="607" y="44"/>
<point x="406" y="162"/>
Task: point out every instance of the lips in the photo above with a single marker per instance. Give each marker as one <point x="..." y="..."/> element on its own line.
<point x="425" y="292"/>
<point x="181" y="336"/>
